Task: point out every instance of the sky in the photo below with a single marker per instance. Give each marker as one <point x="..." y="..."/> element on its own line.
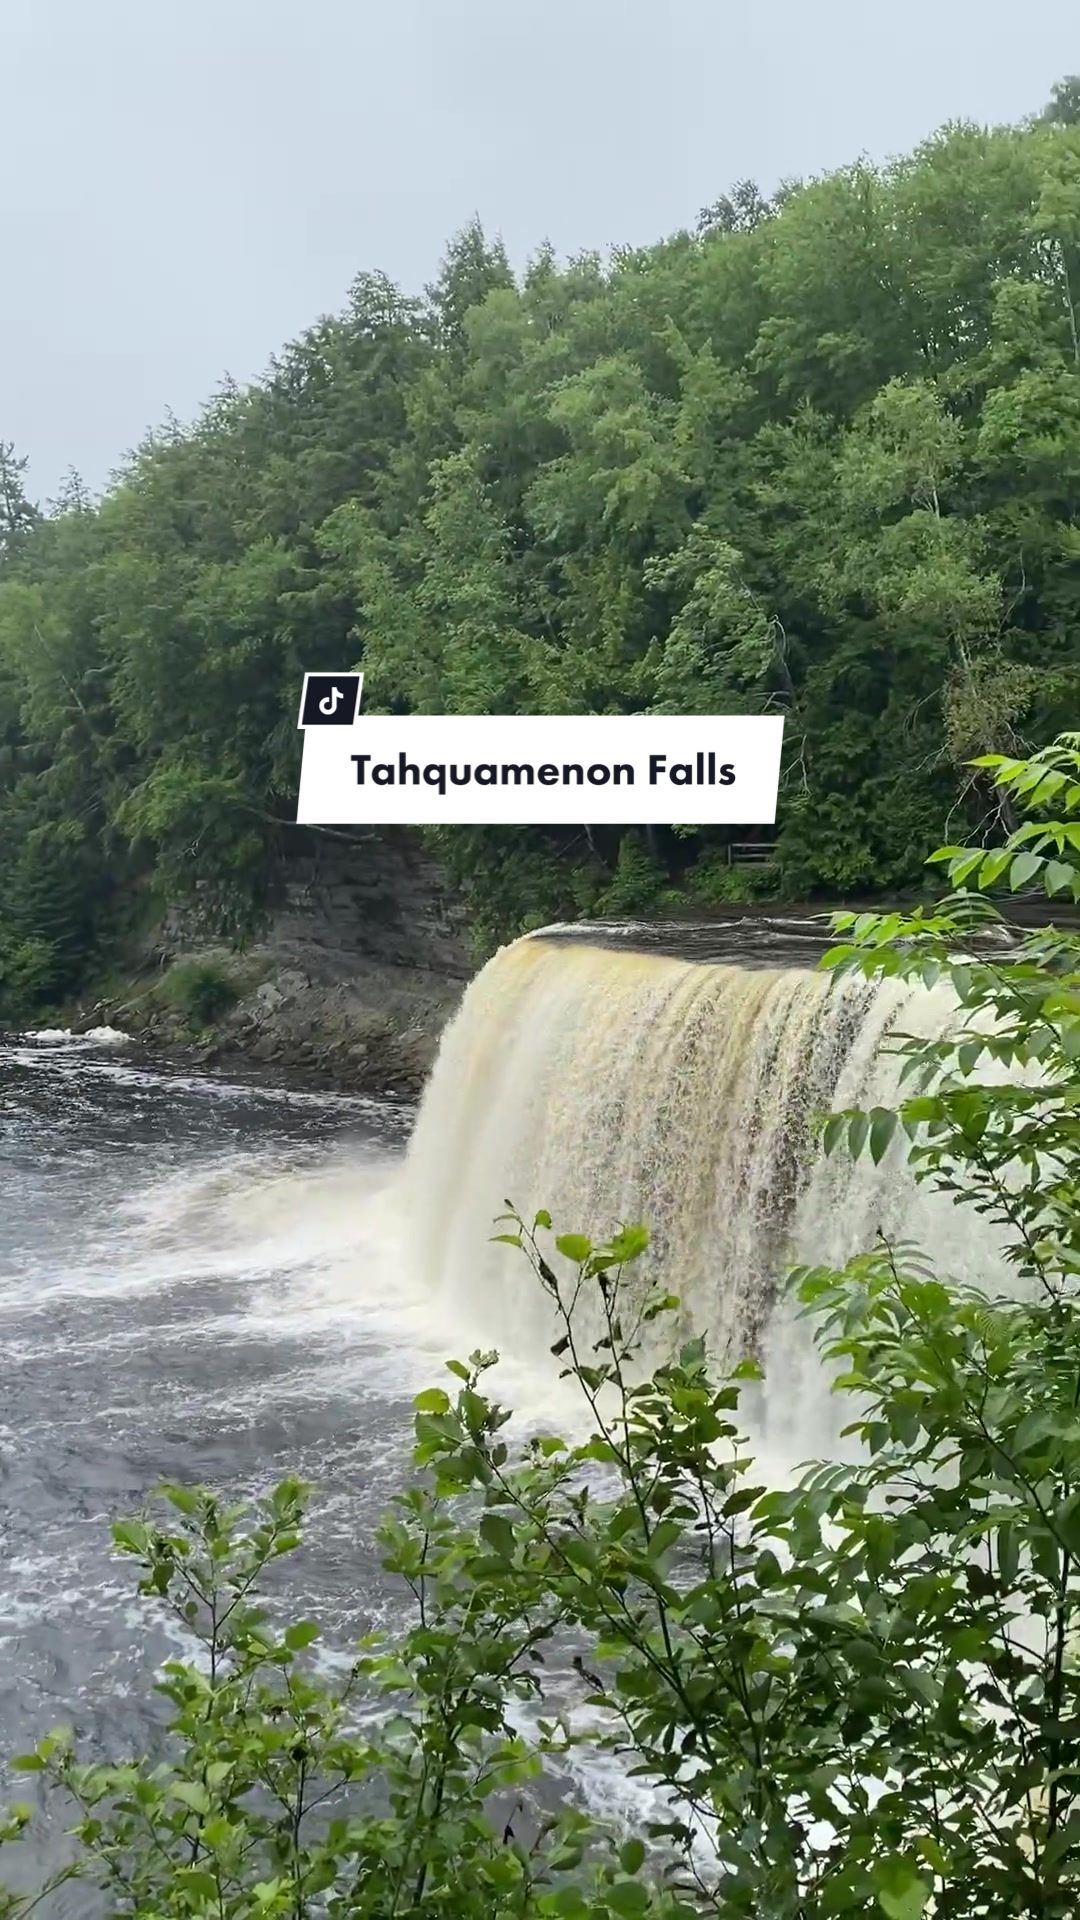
<point x="190" y="183"/>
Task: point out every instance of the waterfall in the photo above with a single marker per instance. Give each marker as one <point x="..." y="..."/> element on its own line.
<point x="612" y="1086"/>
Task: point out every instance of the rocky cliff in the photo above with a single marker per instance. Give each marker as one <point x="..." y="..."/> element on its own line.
<point x="358" y="963"/>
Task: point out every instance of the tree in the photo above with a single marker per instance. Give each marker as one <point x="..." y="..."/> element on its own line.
<point x="739" y="211"/>
<point x="74" y="495"/>
<point x="17" y="514"/>
<point x="472" y="269"/>
<point x="1063" y="107"/>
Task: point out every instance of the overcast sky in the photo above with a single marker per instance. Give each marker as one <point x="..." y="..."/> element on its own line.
<point x="191" y="182"/>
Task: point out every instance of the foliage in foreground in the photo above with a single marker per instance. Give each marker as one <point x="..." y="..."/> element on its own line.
<point x="854" y="1695"/>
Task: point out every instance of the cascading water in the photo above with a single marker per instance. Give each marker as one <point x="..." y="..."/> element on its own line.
<point x="612" y="1086"/>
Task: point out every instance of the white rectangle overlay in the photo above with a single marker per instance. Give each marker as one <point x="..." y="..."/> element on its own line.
<point x="542" y="769"/>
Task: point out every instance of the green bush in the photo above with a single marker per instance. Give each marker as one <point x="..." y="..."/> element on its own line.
<point x="713" y="881"/>
<point x="638" y="881"/>
<point x="854" y="1695"/>
<point x="201" y="991"/>
<point x="28" y="972"/>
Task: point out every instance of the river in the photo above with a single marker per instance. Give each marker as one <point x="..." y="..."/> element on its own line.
<point x="195" y="1284"/>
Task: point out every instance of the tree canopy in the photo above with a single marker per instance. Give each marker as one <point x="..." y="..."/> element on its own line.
<point x="820" y="455"/>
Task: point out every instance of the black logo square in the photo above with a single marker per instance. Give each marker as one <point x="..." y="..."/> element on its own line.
<point x="330" y="699"/>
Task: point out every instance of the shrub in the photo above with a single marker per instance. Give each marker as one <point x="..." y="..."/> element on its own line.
<point x="201" y="991"/>
<point x="638" y="881"/>
<point x="712" y="881"/>
<point x="28" y="972"/>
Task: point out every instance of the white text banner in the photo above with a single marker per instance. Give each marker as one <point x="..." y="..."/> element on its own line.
<point x="542" y="769"/>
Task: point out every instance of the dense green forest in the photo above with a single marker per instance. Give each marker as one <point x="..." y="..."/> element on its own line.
<point x="819" y="456"/>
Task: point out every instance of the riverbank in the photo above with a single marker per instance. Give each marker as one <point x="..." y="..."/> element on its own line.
<point x="347" y="983"/>
<point x="375" y="1033"/>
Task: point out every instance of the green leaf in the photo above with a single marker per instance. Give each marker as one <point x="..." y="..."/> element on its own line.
<point x="575" y="1247"/>
<point x="567" y="1857"/>
<point x="994" y="866"/>
<point x="747" y="1369"/>
<point x="883" y="1123"/>
<point x="627" y="1896"/>
<point x="628" y="1244"/>
<point x="192" y="1793"/>
<point x="184" y="1499"/>
<point x="632" y="1856"/>
<point x="1070" y="1040"/>
<point x="1058" y="877"/>
<point x="301" y="1634"/>
<point x="131" y="1536"/>
<point x="496" y="1530"/>
<point x="432" y="1400"/>
<point x="964" y="866"/>
<point x="1024" y="868"/>
<point x="901" y="1891"/>
<point x="1067" y="1523"/>
<point x="196" y="1881"/>
<point x="568" y="1902"/>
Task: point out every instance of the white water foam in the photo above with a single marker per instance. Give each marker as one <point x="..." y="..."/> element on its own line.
<point x="66" y="1036"/>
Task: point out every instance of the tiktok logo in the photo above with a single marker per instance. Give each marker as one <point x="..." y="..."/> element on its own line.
<point x="330" y="699"/>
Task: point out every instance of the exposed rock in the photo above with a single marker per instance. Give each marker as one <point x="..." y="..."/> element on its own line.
<point x="265" y="999"/>
<point x="350" y="980"/>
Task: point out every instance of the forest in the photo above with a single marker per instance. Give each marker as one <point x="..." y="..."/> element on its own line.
<point x="819" y="455"/>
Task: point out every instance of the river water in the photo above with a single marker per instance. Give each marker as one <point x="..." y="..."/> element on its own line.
<point x="198" y="1282"/>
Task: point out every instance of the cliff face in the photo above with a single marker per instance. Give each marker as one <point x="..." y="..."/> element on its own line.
<point x="380" y="900"/>
<point x="358" y="965"/>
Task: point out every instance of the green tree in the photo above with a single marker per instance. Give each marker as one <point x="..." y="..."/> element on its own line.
<point x="17" y="513"/>
<point x="820" y="457"/>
